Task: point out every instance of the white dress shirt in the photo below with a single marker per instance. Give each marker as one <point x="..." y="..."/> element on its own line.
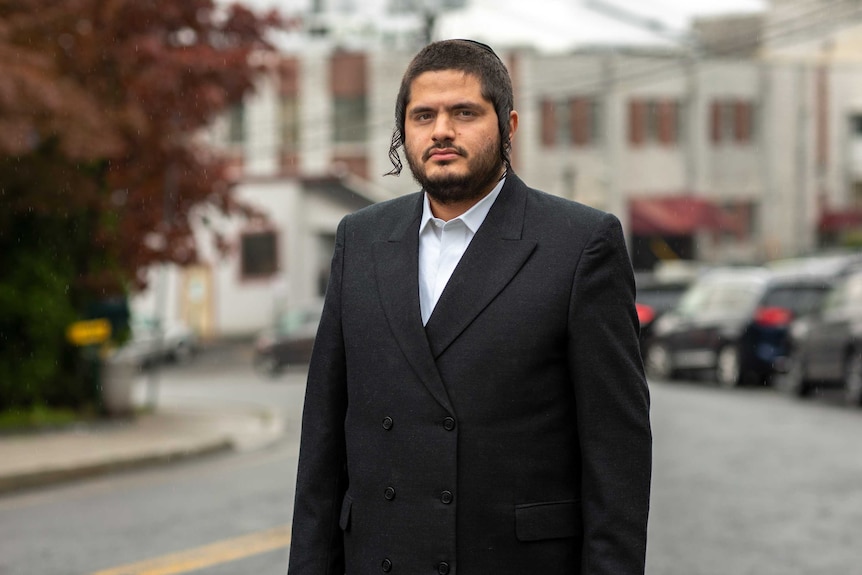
<point x="441" y="245"/>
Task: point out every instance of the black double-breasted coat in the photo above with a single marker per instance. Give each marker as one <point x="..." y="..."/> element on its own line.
<point x="508" y="436"/>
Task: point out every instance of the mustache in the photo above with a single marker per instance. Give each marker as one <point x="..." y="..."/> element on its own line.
<point x="443" y="146"/>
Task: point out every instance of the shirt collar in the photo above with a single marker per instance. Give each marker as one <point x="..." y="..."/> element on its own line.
<point x="473" y="217"/>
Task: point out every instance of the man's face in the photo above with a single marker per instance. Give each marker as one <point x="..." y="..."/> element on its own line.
<point x="451" y="137"/>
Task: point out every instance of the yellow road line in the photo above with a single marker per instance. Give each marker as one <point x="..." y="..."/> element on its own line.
<point x="208" y="555"/>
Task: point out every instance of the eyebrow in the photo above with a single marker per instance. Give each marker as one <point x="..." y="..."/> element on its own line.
<point x="456" y="106"/>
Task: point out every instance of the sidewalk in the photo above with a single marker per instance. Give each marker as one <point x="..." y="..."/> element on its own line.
<point x="170" y="433"/>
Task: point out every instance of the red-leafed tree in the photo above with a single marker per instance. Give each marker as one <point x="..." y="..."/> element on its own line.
<point x="100" y="104"/>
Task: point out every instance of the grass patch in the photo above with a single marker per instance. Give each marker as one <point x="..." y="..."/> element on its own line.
<point x="40" y="417"/>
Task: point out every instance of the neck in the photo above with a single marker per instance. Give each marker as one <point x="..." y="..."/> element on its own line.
<point x="450" y="210"/>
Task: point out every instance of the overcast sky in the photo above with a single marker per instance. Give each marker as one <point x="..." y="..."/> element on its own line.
<point x="551" y="25"/>
<point x="560" y="24"/>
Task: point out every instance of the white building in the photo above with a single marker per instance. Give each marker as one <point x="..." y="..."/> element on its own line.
<point x="746" y="151"/>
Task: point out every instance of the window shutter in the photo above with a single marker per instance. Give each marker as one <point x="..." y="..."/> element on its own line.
<point x="715" y="119"/>
<point x="580" y="121"/>
<point x="347" y="74"/>
<point x="637" y="117"/>
<point x="288" y="77"/>
<point x="667" y="128"/>
<point x="742" y="123"/>
<point x="549" y="124"/>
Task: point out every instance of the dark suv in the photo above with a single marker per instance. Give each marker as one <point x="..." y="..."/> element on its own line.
<point x="826" y="345"/>
<point x="733" y="323"/>
<point x="655" y="296"/>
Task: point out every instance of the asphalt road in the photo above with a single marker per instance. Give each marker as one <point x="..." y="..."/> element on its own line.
<point x="746" y="482"/>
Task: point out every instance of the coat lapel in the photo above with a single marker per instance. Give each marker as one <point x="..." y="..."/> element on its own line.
<point x="397" y="271"/>
<point x="493" y="258"/>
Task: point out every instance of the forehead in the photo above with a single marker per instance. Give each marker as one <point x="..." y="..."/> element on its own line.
<point x="443" y="85"/>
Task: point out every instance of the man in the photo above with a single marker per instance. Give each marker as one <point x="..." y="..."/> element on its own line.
<point x="476" y="402"/>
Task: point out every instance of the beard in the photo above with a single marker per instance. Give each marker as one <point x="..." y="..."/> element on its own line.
<point x="484" y="168"/>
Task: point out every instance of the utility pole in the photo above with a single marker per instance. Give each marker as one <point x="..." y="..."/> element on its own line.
<point x="430" y="10"/>
<point x="693" y="55"/>
<point x="169" y="195"/>
<point x="657" y="27"/>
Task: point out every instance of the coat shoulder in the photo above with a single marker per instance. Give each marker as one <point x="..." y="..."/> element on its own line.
<point x="383" y="220"/>
<point x="396" y="208"/>
<point x="563" y="216"/>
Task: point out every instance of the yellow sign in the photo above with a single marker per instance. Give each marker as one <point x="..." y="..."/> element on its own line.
<point x="89" y="332"/>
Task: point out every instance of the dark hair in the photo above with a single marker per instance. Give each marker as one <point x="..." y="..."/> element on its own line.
<point x="470" y="57"/>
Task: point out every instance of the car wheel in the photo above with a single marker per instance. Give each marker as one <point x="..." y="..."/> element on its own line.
<point x="728" y="368"/>
<point x="658" y="364"/>
<point x="794" y="381"/>
<point x="266" y="364"/>
<point x="853" y="379"/>
<point x="183" y="353"/>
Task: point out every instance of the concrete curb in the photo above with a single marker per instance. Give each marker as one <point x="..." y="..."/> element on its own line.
<point x="168" y="436"/>
<point x="45" y="477"/>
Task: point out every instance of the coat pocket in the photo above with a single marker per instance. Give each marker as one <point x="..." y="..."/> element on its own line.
<point x="344" y="518"/>
<point x="550" y="520"/>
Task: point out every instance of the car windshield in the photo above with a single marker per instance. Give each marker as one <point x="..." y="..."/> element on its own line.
<point x="660" y="298"/>
<point x="798" y="299"/>
<point x="297" y="319"/>
<point x="726" y="295"/>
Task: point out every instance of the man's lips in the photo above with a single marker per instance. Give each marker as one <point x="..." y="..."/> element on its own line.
<point x="442" y="154"/>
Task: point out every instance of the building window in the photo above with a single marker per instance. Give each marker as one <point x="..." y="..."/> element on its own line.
<point x="348" y="83"/>
<point x="563" y="113"/>
<point x="258" y="254"/>
<point x="289" y="122"/>
<point x="856" y="194"/>
<point x="733" y="121"/>
<point x="288" y="94"/>
<point x="325" y="249"/>
<point x="349" y="123"/>
<point x="571" y="122"/>
<point x="655" y="121"/>
<point x="596" y="117"/>
<point x="236" y="124"/>
<point x="739" y="219"/>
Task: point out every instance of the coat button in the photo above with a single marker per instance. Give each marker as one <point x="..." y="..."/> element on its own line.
<point x="449" y="424"/>
<point x="386" y="565"/>
<point x="389" y="493"/>
<point x="387" y="423"/>
<point x="443" y="568"/>
<point x="446" y="497"/>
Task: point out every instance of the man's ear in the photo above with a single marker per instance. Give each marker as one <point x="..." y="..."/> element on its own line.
<point x="513" y="124"/>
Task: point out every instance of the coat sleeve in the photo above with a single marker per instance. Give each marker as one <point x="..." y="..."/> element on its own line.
<point x="316" y="540"/>
<point x="612" y="406"/>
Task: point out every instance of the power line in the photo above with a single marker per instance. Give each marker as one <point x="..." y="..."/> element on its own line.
<point x="848" y="10"/>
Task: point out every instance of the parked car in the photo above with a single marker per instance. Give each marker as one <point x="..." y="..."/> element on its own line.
<point x="733" y="323"/>
<point x="289" y="341"/>
<point x="826" y="345"/>
<point x="149" y="346"/>
<point x="655" y="296"/>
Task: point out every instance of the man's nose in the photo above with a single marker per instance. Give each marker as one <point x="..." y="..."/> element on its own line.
<point x="444" y="129"/>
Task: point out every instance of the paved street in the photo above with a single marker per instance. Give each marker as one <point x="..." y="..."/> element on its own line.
<point x="746" y="482"/>
<point x="750" y="482"/>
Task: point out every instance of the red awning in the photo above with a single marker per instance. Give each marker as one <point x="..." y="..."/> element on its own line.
<point x="674" y="216"/>
<point x="837" y="221"/>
